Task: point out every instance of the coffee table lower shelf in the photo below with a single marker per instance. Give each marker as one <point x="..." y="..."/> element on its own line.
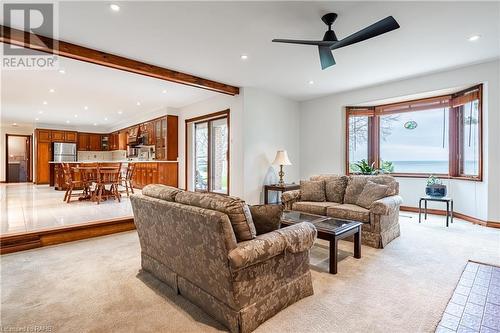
<point x="329" y="229"/>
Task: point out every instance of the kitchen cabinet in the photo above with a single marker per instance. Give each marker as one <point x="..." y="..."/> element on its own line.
<point x="105" y="142"/>
<point x="70" y="136"/>
<point x="94" y="142"/>
<point x="57" y="136"/>
<point x="113" y="141"/>
<point x="83" y="141"/>
<point x="172" y="138"/>
<point x="155" y="173"/>
<point x="43" y="157"/>
<point x="122" y="140"/>
<point x="43" y="135"/>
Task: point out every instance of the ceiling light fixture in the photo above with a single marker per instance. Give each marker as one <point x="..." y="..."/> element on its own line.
<point x="67" y="121"/>
<point x="105" y="119"/>
<point x="76" y="116"/>
<point x="37" y="119"/>
<point x="120" y="111"/>
<point x="85" y="107"/>
<point x="244" y="57"/>
<point x="473" y="38"/>
<point x="164" y="91"/>
<point x="40" y="112"/>
<point x="45" y="103"/>
<point x="14" y="124"/>
<point x="138" y="103"/>
<point x="62" y="71"/>
<point x="311" y="82"/>
<point x="95" y="124"/>
<point x="114" y="7"/>
<point x="51" y="90"/>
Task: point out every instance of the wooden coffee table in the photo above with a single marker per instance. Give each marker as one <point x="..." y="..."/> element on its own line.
<point x="330" y="229"/>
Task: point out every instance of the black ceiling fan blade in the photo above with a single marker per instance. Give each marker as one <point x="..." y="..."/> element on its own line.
<point x="304" y="42"/>
<point x="376" y="29"/>
<point x="325" y="57"/>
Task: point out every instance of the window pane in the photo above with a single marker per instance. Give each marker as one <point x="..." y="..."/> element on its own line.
<point x="358" y="140"/>
<point x="415" y="142"/>
<point x="201" y="156"/>
<point x="219" y="148"/>
<point x="469" y="138"/>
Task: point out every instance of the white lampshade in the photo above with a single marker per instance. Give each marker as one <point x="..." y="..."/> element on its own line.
<point x="281" y="158"/>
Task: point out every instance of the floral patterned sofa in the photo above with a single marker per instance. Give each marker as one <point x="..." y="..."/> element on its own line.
<point x="373" y="200"/>
<point x="231" y="260"/>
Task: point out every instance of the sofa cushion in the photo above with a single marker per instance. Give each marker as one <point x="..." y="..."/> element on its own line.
<point x="386" y="180"/>
<point x="236" y="209"/>
<point x="355" y="186"/>
<point x="335" y="189"/>
<point x="312" y="207"/>
<point x="160" y="191"/>
<point x="349" y="212"/>
<point x="371" y="193"/>
<point x="312" y="190"/>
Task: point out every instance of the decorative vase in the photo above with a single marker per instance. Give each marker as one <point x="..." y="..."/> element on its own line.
<point x="436" y="190"/>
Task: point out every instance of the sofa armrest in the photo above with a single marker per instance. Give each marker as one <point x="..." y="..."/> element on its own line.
<point x="386" y="205"/>
<point x="296" y="238"/>
<point x="266" y="218"/>
<point x="288" y="198"/>
<point x="299" y="237"/>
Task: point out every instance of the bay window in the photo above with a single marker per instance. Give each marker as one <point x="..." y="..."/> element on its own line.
<point x="439" y="136"/>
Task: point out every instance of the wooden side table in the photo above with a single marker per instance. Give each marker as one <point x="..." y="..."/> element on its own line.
<point x="278" y="188"/>
<point x="449" y="202"/>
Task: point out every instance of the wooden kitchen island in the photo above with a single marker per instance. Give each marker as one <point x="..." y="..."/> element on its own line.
<point x="145" y="173"/>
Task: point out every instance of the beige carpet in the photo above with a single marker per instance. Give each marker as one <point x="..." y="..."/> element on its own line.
<point x="92" y="286"/>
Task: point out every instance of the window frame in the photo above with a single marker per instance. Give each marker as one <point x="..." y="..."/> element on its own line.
<point x="454" y="160"/>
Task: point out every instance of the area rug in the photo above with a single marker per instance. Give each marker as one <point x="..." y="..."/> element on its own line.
<point x="475" y="303"/>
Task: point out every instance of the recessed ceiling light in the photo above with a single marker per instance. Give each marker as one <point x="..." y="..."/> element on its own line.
<point x="40" y="112"/>
<point x="14" y="124"/>
<point x="164" y="91"/>
<point x="105" y="119"/>
<point x="138" y="103"/>
<point x="85" y="107"/>
<point x="51" y="90"/>
<point x="62" y="71"/>
<point x="473" y="38"/>
<point x="311" y="82"/>
<point x="114" y="7"/>
<point x="67" y="121"/>
<point x="76" y="116"/>
<point x="37" y="119"/>
<point x="120" y="111"/>
<point x="244" y="57"/>
<point x="95" y="124"/>
<point x="45" y="103"/>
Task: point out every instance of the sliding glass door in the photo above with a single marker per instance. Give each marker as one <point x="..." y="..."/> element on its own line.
<point x="211" y="155"/>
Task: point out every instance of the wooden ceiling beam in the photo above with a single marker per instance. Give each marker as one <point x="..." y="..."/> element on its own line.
<point x="36" y="42"/>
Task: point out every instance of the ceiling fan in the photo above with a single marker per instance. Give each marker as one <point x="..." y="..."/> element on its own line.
<point x="330" y="41"/>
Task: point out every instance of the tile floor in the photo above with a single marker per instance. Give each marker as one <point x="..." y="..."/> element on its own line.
<point x="28" y="207"/>
<point x="475" y="304"/>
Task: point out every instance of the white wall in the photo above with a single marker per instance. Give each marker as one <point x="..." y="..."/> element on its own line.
<point x="22" y="129"/>
<point x="215" y="104"/>
<point x="271" y="123"/>
<point x="322" y="140"/>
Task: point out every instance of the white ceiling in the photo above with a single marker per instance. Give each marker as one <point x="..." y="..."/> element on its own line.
<point x="207" y="39"/>
<point x="87" y="94"/>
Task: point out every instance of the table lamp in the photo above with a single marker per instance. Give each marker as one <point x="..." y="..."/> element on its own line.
<point x="281" y="159"/>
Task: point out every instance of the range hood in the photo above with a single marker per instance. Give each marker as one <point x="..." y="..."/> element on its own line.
<point x="134" y="138"/>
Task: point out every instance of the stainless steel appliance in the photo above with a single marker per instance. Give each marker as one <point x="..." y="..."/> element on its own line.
<point x="64" y="152"/>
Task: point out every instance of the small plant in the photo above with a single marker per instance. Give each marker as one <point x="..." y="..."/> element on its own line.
<point x="364" y="168"/>
<point x="386" y="167"/>
<point x="433" y="180"/>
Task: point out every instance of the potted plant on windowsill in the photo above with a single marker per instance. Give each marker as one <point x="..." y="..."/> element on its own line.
<point x="435" y="187"/>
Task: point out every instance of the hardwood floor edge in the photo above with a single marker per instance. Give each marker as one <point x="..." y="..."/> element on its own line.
<point x="30" y="240"/>
<point x="468" y="218"/>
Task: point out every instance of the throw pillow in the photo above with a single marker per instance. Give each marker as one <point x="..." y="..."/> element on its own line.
<point x="371" y="193"/>
<point x="335" y="188"/>
<point x="311" y="190"/>
<point x="355" y="186"/>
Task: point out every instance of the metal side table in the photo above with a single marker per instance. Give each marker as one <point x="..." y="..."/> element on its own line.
<point x="449" y="207"/>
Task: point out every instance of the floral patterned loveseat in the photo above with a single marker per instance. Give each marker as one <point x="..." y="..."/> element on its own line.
<point x="231" y="260"/>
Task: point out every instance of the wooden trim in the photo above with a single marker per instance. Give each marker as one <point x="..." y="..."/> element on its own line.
<point x="208" y="116"/>
<point x="464" y="217"/>
<point x="30" y="156"/>
<point x="414" y="105"/>
<point x="30" y="240"/>
<point x="48" y="45"/>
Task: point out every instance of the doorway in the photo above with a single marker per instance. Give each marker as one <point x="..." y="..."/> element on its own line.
<point x="207" y="167"/>
<point x="19" y="156"/>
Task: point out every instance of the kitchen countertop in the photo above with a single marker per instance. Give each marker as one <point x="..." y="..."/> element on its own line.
<point x="117" y="161"/>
